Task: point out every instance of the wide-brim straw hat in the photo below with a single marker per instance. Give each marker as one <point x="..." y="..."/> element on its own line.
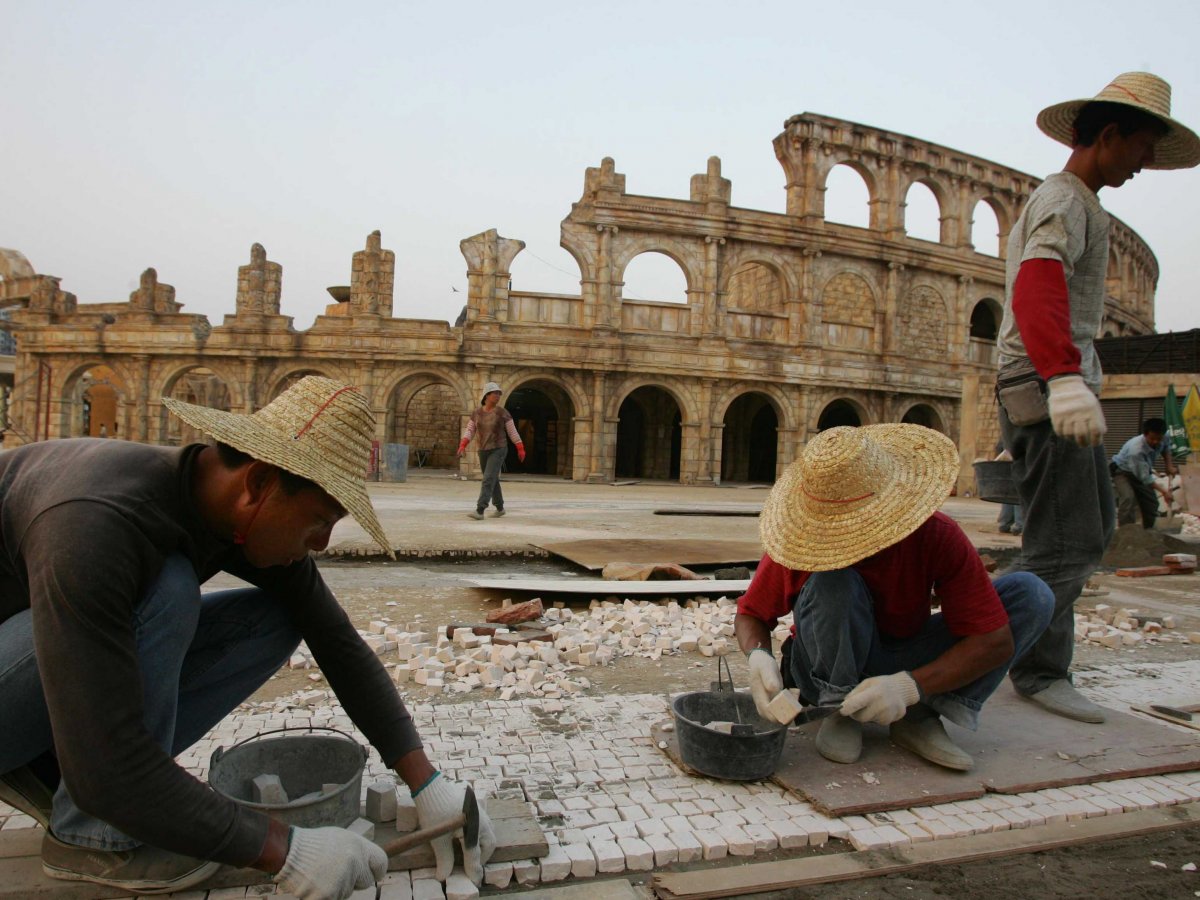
<point x="854" y="492"/>
<point x="1179" y="148"/>
<point x="319" y="429"/>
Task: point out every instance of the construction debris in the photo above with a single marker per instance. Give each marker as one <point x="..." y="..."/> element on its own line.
<point x="1117" y="628"/>
<point x="511" y="614"/>
<point x="624" y="571"/>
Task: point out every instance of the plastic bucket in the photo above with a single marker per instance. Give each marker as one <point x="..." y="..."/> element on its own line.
<point x="994" y="482"/>
<point x="749" y="756"/>
<point x="305" y="762"/>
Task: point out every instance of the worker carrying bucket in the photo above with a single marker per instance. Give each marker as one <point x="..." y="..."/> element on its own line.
<point x="856" y="548"/>
<point x="112" y="663"/>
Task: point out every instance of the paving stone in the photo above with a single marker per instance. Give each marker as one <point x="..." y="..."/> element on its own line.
<point x="427" y="889"/>
<point x="690" y="848"/>
<point x="556" y="865"/>
<point x="739" y="842"/>
<point x="609" y="856"/>
<point x="791" y="834"/>
<point x="381" y="802"/>
<point x="665" y="851"/>
<point x="639" y="857"/>
<point x="460" y="887"/>
<point x="764" y="838"/>
<point x="526" y="871"/>
<point x="583" y="861"/>
<point x="713" y="844"/>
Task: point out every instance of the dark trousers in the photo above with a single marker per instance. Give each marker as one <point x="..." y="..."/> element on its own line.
<point x="1134" y="495"/>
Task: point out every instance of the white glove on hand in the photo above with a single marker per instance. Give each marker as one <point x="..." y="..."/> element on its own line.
<point x="1075" y="411"/>
<point x="330" y="864"/>
<point x="765" y="680"/>
<point x="442" y="799"/>
<point x="883" y="699"/>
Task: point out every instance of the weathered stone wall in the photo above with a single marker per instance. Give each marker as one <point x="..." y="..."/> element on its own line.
<point x="788" y="319"/>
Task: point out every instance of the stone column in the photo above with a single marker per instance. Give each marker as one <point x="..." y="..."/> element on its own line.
<point x="885" y="335"/>
<point x="968" y="433"/>
<point x="707" y="463"/>
<point x="142" y="420"/>
<point x="607" y="315"/>
<point x="597" y="464"/>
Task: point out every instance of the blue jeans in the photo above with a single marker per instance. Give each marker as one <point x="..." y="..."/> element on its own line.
<point x="838" y="644"/>
<point x="1067" y="494"/>
<point x="1011" y="516"/>
<point x="200" y="656"/>
<point x="491" y="462"/>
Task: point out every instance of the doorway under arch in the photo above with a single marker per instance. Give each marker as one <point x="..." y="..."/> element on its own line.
<point x="200" y="386"/>
<point x="839" y="412"/>
<point x="924" y="414"/>
<point x="750" y="440"/>
<point x="428" y="424"/>
<point x="649" y="435"/>
<point x="544" y="417"/>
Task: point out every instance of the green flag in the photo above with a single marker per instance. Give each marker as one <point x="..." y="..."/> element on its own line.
<point x="1177" y="438"/>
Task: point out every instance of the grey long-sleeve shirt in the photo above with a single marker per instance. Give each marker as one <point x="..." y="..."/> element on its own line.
<point x="85" y="526"/>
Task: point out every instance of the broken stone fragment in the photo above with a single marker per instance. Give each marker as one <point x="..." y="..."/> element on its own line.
<point x="519" y="612"/>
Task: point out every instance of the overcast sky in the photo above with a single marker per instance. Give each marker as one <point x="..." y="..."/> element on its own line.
<point x="175" y="135"/>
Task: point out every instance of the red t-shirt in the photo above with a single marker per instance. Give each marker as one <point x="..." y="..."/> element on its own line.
<point x="902" y="579"/>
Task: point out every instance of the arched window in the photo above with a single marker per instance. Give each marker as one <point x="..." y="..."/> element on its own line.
<point x="985" y="229"/>
<point x="654" y="276"/>
<point x="847" y="197"/>
<point x="922" y="215"/>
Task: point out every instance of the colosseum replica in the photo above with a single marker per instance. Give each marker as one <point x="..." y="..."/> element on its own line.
<point x="791" y="324"/>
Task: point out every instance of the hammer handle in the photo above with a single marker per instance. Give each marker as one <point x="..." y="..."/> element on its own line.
<point x="400" y="844"/>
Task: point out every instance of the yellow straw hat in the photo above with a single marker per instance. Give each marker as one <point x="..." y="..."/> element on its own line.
<point x="318" y="429"/>
<point x="854" y="492"/>
<point x="1179" y="148"/>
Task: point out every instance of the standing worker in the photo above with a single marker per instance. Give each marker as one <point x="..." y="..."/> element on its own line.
<point x="1049" y="380"/>
<point x="494" y="425"/>
<point x="112" y="663"/>
<point x="1133" y="474"/>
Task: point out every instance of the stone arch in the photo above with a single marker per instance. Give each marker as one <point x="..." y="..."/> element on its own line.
<point x="424" y="411"/>
<point x="544" y="412"/>
<point x="200" y="384"/>
<point x="922" y="319"/>
<point x="522" y="277"/>
<point x="869" y="182"/>
<point x="675" y="257"/>
<point x="839" y="410"/>
<point x="750" y="427"/>
<point x="649" y="434"/>
<point x="924" y="414"/>
<point x="987" y="243"/>
<point x="986" y="316"/>
<point x="287" y="377"/>
<point x="918" y="229"/>
<point x="848" y="306"/>
<point x="756" y="285"/>
<point x="94" y="393"/>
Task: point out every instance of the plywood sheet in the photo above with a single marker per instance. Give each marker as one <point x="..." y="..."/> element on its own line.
<point x="597" y="587"/>
<point x="518" y="836"/>
<point x="596" y="554"/>
<point x="1019" y="747"/>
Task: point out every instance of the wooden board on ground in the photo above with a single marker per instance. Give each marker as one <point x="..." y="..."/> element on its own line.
<point x="518" y="836"/>
<point x="733" y="881"/>
<point x="697" y="511"/>
<point x="597" y="587"/>
<point x="1193" y="723"/>
<point x="1019" y="747"/>
<point x="596" y="554"/>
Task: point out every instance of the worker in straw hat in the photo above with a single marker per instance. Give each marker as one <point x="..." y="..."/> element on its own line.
<point x="493" y="425"/>
<point x="112" y="663"/>
<point x="1049" y="380"/>
<point x="858" y="552"/>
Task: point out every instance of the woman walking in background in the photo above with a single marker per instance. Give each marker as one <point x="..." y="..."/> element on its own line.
<point x="494" y="427"/>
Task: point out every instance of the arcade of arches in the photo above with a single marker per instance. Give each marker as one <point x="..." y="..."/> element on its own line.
<point x="779" y="324"/>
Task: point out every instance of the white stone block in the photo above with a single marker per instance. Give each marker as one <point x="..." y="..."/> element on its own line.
<point x="381" y="802"/>
<point x="609" y="856"/>
<point x="427" y="889"/>
<point x="639" y="857"/>
<point x="583" y="861"/>
<point x="526" y="871"/>
<point x="690" y="848"/>
<point x="665" y="851"/>
<point x="363" y="828"/>
<point x="713" y="844"/>
<point x="556" y="865"/>
<point x="267" y="789"/>
<point x="498" y="874"/>
<point x="738" y="842"/>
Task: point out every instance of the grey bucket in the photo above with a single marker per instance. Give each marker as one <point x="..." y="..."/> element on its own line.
<point x="994" y="481"/>
<point x="749" y="756"/>
<point x="304" y="762"/>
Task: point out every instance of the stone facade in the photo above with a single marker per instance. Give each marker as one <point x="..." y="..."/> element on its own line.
<point x="792" y="323"/>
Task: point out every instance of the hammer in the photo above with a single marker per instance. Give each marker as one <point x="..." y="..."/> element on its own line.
<point x="467" y="820"/>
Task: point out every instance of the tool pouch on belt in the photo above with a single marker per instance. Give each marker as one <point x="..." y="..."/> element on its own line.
<point x="1022" y="393"/>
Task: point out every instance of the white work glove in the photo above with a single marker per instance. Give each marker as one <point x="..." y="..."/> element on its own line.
<point x="1075" y="411"/>
<point x="765" y="680"/>
<point x="330" y="864"/>
<point x="442" y="799"/>
<point x="883" y="699"/>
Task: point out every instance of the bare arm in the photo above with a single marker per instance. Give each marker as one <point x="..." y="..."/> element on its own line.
<point x="751" y="633"/>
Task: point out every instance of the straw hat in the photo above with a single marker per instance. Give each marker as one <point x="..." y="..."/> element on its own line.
<point x="318" y="429"/>
<point x="1178" y="149"/>
<point x="854" y="492"/>
<point x="490" y="388"/>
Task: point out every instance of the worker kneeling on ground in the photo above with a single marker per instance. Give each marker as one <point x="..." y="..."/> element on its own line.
<point x="112" y="663"/>
<point x="857" y="550"/>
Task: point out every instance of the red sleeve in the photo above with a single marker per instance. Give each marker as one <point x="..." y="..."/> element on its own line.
<point x="970" y="604"/>
<point x="772" y="592"/>
<point x="1042" y="309"/>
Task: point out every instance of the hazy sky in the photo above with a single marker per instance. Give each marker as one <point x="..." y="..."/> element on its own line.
<point x="175" y="135"/>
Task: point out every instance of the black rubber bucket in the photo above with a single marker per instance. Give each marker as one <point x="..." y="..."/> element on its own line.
<point x="305" y="762"/>
<point x="995" y="483"/>
<point x="752" y="754"/>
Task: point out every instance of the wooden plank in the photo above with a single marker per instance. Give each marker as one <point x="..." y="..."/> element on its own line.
<point x="696" y="511"/>
<point x="794" y="873"/>
<point x="596" y="554"/>
<point x="1194" y="724"/>
<point x="597" y="587"/>
<point x="518" y="836"/>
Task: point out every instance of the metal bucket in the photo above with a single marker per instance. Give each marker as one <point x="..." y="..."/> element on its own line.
<point x="994" y="482"/>
<point x="304" y="762"/>
<point x="751" y="755"/>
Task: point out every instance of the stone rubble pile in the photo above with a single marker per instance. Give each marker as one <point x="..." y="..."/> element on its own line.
<point x="548" y="657"/>
<point x="1191" y="525"/>
<point x="1118" y="627"/>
